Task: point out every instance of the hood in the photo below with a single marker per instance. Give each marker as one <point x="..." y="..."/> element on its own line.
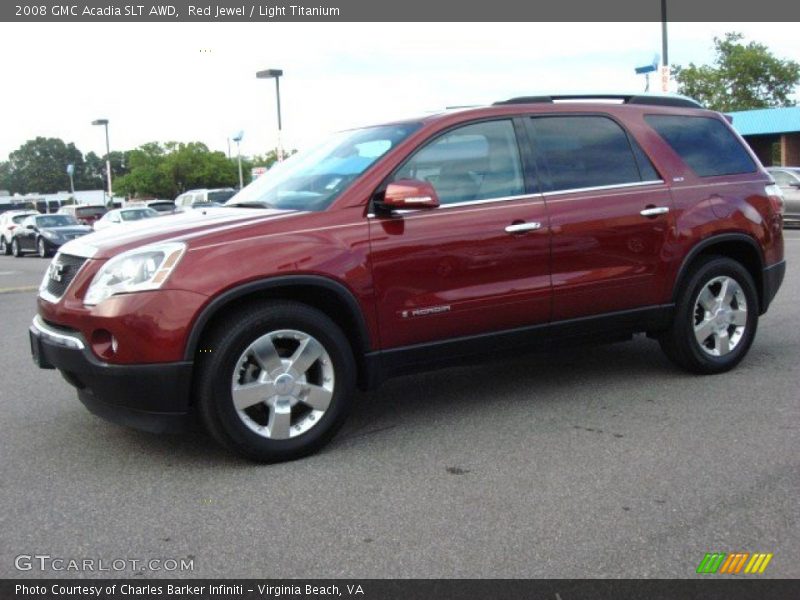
<point x="67" y="229"/>
<point x="178" y="227"/>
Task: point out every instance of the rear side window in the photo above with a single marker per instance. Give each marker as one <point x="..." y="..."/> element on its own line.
<point x="588" y="151"/>
<point x="704" y="143"/>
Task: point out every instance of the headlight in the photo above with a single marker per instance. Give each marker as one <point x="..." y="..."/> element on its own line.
<point x="50" y="235"/>
<point x="145" y="268"/>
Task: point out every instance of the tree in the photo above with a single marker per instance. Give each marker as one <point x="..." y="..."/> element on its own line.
<point x="7" y="181"/>
<point x="165" y="171"/>
<point x="40" y="165"/>
<point x="92" y="176"/>
<point x="742" y="77"/>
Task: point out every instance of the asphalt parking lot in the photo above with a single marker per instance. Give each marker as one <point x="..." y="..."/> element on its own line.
<point x="595" y="462"/>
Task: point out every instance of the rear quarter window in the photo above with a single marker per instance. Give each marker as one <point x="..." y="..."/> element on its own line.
<point x="705" y="144"/>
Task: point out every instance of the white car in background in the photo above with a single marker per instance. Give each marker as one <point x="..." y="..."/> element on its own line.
<point x="124" y="216"/>
<point x="788" y="179"/>
<point x="203" y="198"/>
<point x="9" y="221"/>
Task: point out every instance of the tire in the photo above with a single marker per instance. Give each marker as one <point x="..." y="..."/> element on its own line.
<point x="5" y="248"/>
<point x="728" y="315"/>
<point x="41" y="249"/>
<point x="302" y="353"/>
<point x="15" y="250"/>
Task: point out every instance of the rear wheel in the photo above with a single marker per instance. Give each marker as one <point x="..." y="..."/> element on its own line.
<point x="716" y="317"/>
<point x="15" y="249"/>
<point x="275" y="382"/>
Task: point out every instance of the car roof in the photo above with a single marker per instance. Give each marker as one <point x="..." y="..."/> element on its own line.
<point x="16" y="213"/>
<point x="550" y="103"/>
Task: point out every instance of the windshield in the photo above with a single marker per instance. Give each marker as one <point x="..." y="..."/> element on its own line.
<point x="20" y="218"/>
<point x="90" y="211"/>
<point x="135" y="215"/>
<point x="312" y="179"/>
<point x="162" y="206"/>
<point x="55" y="221"/>
<point x="220" y="196"/>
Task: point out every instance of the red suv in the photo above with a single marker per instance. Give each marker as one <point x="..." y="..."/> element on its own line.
<point x="409" y="245"/>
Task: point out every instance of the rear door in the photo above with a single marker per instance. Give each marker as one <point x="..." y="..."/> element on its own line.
<point x="609" y="215"/>
<point x="480" y="262"/>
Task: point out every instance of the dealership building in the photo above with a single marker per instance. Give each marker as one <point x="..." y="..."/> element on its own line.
<point x="773" y="134"/>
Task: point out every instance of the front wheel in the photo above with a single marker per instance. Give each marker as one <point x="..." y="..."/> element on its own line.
<point x="716" y="317"/>
<point x="41" y="249"/>
<point x="275" y="381"/>
<point x="5" y="248"/>
<point x="15" y="249"/>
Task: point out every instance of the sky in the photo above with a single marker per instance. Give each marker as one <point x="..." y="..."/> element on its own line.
<point x="196" y="81"/>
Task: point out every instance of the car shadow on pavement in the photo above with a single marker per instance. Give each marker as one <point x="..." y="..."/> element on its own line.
<point x="416" y="400"/>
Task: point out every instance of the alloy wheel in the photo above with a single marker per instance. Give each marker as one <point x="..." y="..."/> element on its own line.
<point x="720" y="316"/>
<point x="282" y="384"/>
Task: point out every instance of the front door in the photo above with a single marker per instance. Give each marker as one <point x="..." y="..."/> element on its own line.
<point x="479" y="262"/>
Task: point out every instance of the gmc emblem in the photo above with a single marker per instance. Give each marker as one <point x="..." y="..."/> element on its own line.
<point x="56" y="271"/>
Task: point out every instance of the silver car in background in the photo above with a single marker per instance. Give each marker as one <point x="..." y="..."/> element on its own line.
<point x="788" y="179"/>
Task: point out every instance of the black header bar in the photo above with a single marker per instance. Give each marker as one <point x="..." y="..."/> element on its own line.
<point x="405" y="11"/>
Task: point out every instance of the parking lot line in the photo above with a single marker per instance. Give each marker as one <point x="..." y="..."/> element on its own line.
<point x="14" y="290"/>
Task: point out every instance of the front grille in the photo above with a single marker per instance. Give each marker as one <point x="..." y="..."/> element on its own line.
<point x="61" y="273"/>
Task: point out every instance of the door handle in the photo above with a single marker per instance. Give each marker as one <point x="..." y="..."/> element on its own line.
<point x="654" y="211"/>
<point x="523" y="227"/>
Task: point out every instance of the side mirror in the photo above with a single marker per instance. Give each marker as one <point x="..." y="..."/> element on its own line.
<point x="410" y="193"/>
<point x="30" y="226"/>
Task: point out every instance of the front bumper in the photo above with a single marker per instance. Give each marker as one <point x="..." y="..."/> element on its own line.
<point x="151" y="397"/>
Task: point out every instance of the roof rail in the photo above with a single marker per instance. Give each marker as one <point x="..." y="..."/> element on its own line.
<point x="649" y="99"/>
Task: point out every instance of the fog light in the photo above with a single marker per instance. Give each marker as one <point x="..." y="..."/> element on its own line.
<point x="104" y="344"/>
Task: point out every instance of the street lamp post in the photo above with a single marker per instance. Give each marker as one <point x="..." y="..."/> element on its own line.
<point x="275" y="74"/>
<point x="665" y="75"/>
<point x="238" y="138"/>
<point x="104" y="122"/>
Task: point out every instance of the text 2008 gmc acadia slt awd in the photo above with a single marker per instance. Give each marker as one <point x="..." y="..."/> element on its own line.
<point x="407" y="245"/>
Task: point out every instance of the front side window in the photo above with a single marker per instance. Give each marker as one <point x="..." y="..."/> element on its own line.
<point x="586" y="151"/>
<point x="707" y="146"/>
<point x="475" y="162"/>
<point x="313" y="179"/>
